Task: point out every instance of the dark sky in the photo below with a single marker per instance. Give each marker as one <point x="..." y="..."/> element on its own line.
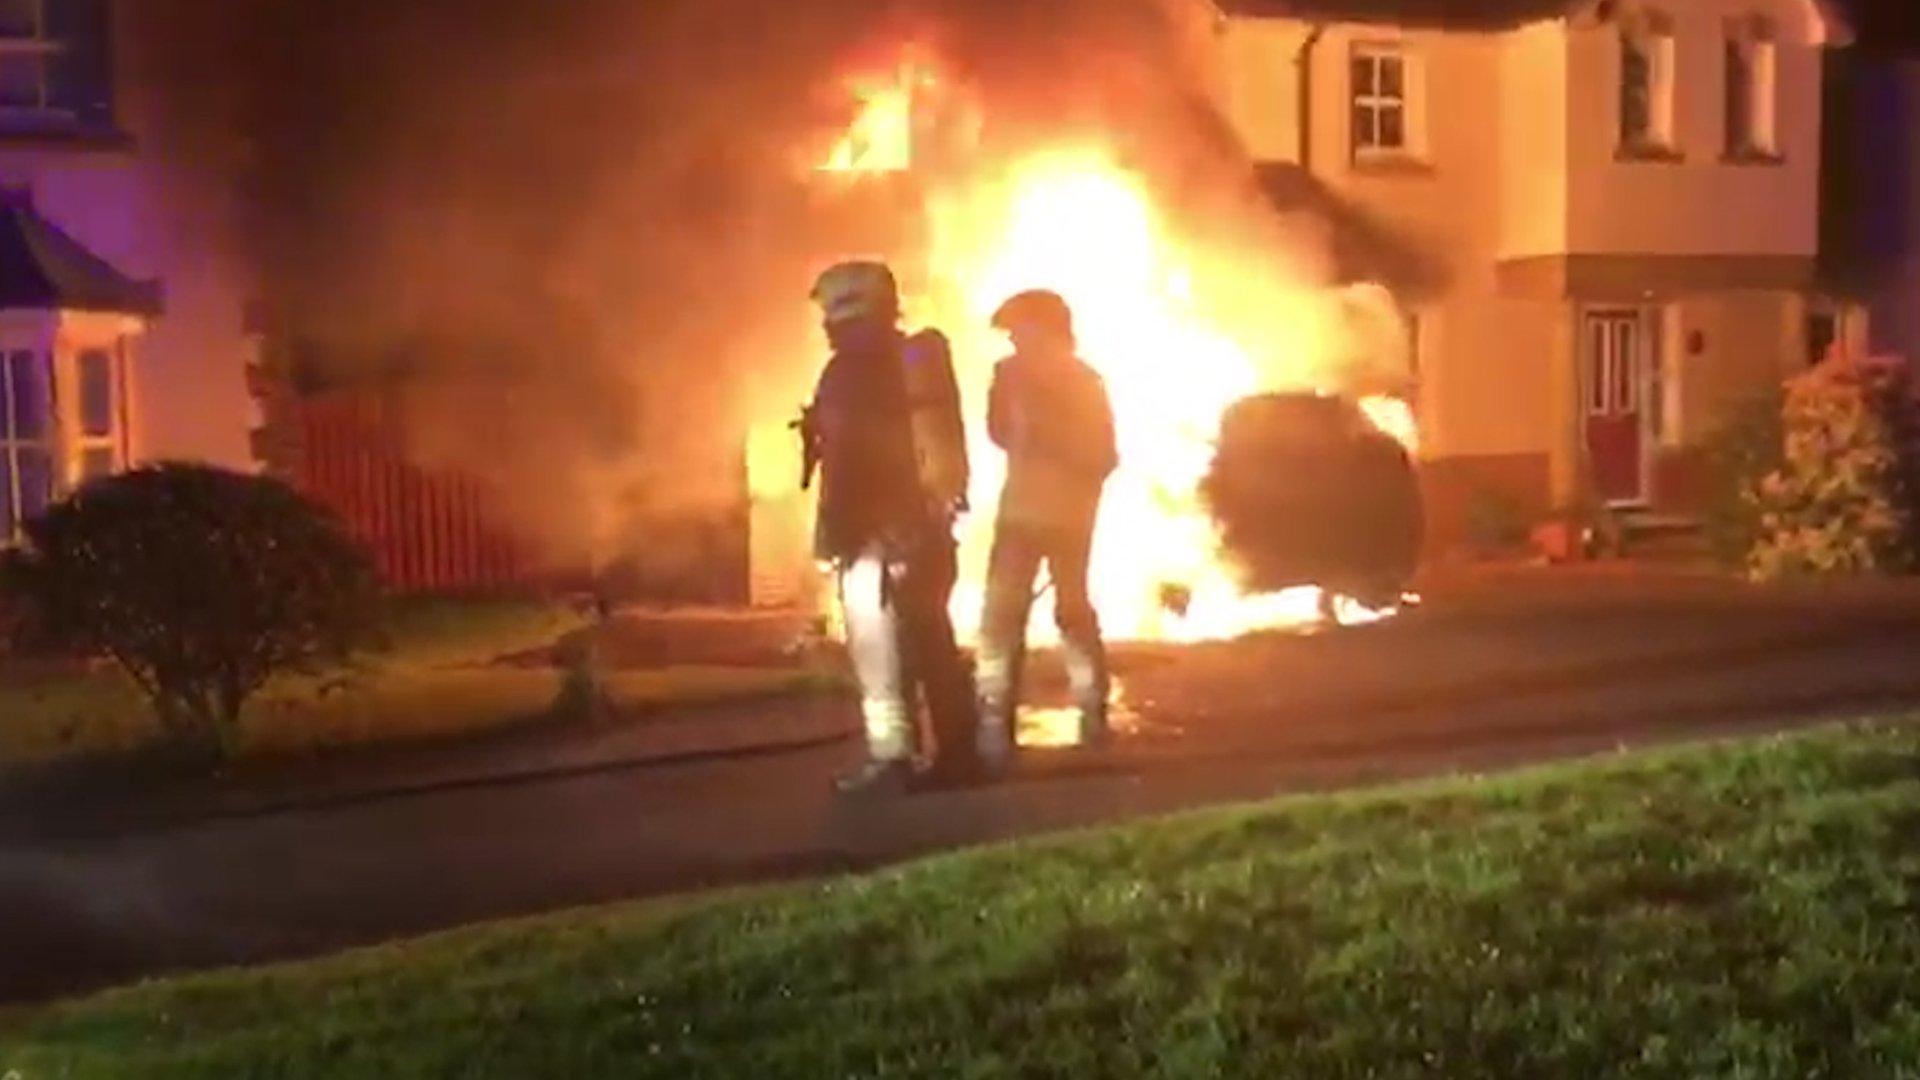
<point x="1887" y="24"/>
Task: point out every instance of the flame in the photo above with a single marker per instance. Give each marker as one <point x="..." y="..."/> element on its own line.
<point x="880" y="139"/>
<point x="1073" y="219"/>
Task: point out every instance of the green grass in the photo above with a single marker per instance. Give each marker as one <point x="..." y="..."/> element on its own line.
<point x="435" y="681"/>
<point x="1748" y="910"/>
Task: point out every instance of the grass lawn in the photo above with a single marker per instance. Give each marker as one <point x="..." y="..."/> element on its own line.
<point x="437" y="680"/>
<point x="1748" y="910"/>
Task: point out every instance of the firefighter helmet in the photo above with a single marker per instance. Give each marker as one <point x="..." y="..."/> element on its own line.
<point x="857" y="290"/>
<point x="1039" y="306"/>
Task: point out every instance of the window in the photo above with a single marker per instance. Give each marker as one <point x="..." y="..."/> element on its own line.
<point x="1646" y="92"/>
<point x="26" y="463"/>
<point x="55" y="66"/>
<point x="1750" y="93"/>
<point x="20" y="18"/>
<point x="1382" y="123"/>
<point x="99" y="441"/>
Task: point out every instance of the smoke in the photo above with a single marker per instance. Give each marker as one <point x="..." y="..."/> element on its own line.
<point x="581" y="234"/>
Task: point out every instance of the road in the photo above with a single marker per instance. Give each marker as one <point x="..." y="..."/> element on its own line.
<point x="1497" y="671"/>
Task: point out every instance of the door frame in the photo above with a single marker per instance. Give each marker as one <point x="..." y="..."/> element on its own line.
<point x="1646" y="383"/>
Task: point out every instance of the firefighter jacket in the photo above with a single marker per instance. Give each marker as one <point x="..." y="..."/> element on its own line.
<point x="1053" y="418"/>
<point x="861" y="430"/>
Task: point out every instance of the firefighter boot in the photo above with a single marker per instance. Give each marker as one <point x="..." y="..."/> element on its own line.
<point x="997" y="681"/>
<point x="876" y="780"/>
<point x="1085" y="658"/>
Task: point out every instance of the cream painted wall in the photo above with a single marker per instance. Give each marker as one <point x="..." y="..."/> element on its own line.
<point x="187" y="376"/>
<point x="1533" y="141"/>
<point x="1748" y="341"/>
<point x="1701" y="205"/>
<point x="1258" y="84"/>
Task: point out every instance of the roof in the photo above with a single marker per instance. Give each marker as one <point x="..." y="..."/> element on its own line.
<point x="1458" y="14"/>
<point x="1489" y="14"/>
<point x="44" y="269"/>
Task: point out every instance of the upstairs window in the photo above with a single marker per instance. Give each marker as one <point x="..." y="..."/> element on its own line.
<point x="1387" y="109"/>
<point x="55" y="66"/>
<point x="1379" y="101"/>
<point x="1646" y="90"/>
<point x="1751" y="91"/>
<point x="20" y="19"/>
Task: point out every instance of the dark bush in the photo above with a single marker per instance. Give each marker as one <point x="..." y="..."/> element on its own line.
<point x="201" y="584"/>
<point x="1748" y="446"/>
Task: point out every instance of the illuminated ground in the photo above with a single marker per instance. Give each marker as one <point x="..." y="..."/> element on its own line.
<point x="1494" y="671"/>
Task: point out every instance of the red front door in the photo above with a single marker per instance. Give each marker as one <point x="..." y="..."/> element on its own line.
<point x="1614" y="381"/>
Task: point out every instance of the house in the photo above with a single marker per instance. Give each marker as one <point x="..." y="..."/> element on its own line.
<point x="122" y="335"/>
<point x="1618" y="201"/>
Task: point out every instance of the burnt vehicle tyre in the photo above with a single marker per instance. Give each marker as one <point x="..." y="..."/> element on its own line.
<point x="1307" y="492"/>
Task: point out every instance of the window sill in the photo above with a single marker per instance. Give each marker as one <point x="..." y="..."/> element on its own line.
<point x="1372" y="164"/>
<point x="1649" y="155"/>
<point x="14" y="136"/>
<point x="1759" y="158"/>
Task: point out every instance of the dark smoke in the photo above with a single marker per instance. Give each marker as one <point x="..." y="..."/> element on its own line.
<point x="580" y="233"/>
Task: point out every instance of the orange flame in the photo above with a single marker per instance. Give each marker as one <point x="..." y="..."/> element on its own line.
<point x="1072" y="219"/>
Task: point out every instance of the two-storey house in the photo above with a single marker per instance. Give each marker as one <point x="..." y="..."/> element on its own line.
<point x="1618" y="201"/>
<point x="122" y="337"/>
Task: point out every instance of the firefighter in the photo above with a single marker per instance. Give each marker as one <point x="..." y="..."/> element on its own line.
<point x="885" y="434"/>
<point x="1050" y="412"/>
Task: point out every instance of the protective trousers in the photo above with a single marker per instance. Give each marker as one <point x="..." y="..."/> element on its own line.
<point x="902" y="646"/>
<point x="1012" y="569"/>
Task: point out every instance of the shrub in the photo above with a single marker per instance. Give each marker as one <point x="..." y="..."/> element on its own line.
<point x="1842" y="500"/>
<point x="201" y="584"/>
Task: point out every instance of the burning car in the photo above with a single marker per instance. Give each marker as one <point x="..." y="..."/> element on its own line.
<point x="1308" y="491"/>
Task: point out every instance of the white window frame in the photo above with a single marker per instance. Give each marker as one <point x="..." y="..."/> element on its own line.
<point x="114" y="441"/>
<point x="1409" y="102"/>
<point x="1752" y="40"/>
<point x="1655" y="42"/>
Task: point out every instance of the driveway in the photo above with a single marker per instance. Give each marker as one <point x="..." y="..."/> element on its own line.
<point x="1494" y="670"/>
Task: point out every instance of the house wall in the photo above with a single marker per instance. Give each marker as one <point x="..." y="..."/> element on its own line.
<point x="154" y="214"/>
<point x="1700" y="204"/>
<point x="1533" y="141"/>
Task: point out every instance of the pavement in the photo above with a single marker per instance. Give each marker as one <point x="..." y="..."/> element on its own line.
<point x="1493" y="670"/>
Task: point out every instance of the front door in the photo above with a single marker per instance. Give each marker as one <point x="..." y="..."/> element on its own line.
<point x="1614" y="384"/>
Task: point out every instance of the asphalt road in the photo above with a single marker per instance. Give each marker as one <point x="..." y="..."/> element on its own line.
<point x="1489" y="673"/>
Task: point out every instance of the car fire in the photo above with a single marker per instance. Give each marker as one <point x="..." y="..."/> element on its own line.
<point x="1183" y="324"/>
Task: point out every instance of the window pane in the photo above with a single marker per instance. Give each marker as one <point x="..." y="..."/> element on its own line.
<point x="1392" y="77"/>
<point x="1739" y="97"/>
<point x="1365" y="133"/>
<point x="1636" y="92"/>
<point x="1364" y="83"/>
<point x="19" y="18"/>
<point x="9" y="524"/>
<point x="29" y="402"/>
<point x="96" y="394"/>
<point x="22" y="77"/>
<point x="1625" y="396"/>
<point x="36" y="481"/>
<point x="1393" y="128"/>
<point x="1597" y="378"/>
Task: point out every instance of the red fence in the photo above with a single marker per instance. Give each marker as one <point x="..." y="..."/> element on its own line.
<point x="429" y="530"/>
